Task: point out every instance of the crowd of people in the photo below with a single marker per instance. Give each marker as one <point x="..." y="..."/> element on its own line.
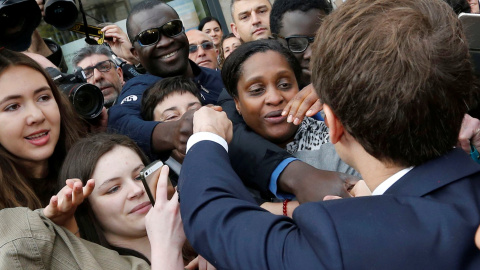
<point x="310" y="137"/>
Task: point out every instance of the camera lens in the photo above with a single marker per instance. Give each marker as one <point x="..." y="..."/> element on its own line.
<point x="87" y="99"/>
<point x="61" y="13"/>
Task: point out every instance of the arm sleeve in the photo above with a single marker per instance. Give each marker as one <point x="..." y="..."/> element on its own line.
<point x="224" y="224"/>
<point x="253" y="158"/>
<point x="125" y="116"/>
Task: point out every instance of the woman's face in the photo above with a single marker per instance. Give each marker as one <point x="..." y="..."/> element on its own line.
<point x="119" y="202"/>
<point x="212" y="29"/>
<point x="267" y="83"/>
<point x="29" y="115"/>
<point x="229" y="45"/>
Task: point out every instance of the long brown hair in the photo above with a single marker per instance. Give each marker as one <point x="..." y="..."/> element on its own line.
<point x="17" y="187"/>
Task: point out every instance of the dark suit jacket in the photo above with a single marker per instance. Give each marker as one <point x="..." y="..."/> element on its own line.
<point x="427" y="220"/>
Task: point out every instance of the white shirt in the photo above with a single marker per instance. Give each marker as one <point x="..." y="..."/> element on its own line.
<point x="206" y="136"/>
<point x="390" y="181"/>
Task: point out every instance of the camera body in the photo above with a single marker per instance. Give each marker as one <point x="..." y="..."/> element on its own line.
<point x="87" y="99"/>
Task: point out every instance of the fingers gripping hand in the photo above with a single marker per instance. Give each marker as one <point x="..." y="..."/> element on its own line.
<point x="183" y="131"/>
<point x="209" y="120"/>
<point x="305" y="103"/>
<point x="469" y="133"/>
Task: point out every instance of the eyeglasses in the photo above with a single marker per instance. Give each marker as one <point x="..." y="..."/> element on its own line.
<point x="298" y="44"/>
<point x="103" y="67"/>
<point x="152" y="36"/>
<point x="205" y="45"/>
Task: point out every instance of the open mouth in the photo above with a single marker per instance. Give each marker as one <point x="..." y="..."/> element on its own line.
<point x="37" y="136"/>
<point x="169" y="55"/>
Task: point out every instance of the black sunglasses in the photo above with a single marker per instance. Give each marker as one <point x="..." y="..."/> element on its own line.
<point x="298" y="44"/>
<point x="205" y="45"/>
<point x="103" y="67"/>
<point x="152" y="36"/>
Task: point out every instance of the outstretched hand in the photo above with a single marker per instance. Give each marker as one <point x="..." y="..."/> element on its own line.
<point x="62" y="206"/>
<point x="118" y="41"/>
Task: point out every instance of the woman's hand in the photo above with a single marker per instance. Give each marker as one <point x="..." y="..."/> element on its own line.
<point x="305" y="103"/>
<point x="62" y="206"/>
<point x="165" y="228"/>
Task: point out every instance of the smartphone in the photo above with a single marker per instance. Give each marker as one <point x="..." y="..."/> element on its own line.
<point x="149" y="177"/>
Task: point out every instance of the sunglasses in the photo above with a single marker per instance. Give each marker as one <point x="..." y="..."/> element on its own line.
<point x="103" y="67"/>
<point x="298" y="44"/>
<point x="152" y="36"/>
<point x="205" y="45"/>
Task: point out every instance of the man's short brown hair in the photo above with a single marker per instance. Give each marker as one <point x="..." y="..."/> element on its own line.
<point x="397" y="75"/>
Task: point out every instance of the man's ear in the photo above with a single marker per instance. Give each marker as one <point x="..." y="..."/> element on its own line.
<point x="134" y="53"/>
<point x="333" y="124"/>
<point x="233" y="27"/>
<point x="120" y="73"/>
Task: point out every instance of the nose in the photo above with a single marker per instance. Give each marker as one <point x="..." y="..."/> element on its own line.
<point x="308" y="53"/>
<point x="201" y="51"/>
<point x="255" y="18"/>
<point x="136" y="189"/>
<point x="34" y="115"/>
<point x="274" y="97"/>
<point x="97" y="76"/>
<point x="164" y="41"/>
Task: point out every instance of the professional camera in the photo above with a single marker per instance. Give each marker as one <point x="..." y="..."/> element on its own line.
<point x="19" y="18"/>
<point x="87" y="99"/>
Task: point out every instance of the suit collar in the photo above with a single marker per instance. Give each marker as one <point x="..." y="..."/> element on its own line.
<point x="435" y="174"/>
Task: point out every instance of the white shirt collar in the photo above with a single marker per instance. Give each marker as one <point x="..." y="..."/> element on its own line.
<point x="390" y="181"/>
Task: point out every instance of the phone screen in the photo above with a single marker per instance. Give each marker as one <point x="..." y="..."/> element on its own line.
<point x="149" y="176"/>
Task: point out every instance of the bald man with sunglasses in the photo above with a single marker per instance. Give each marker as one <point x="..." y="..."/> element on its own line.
<point x="202" y="51"/>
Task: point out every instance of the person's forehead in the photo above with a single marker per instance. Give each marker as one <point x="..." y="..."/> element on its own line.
<point x="248" y="5"/>
<point x="229" y="41"/>
<point x="92" y="60"/>
<point x="151" y="18"/>
<point x="197" y="37"/>
<point x="298" y="22"/>
<point x="211" y="24"/>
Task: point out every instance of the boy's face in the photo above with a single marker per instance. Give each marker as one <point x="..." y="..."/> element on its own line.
<point x="174" y="106"/>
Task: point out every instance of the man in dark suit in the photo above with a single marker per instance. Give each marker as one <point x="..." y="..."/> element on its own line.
<point x="396" y="80"/>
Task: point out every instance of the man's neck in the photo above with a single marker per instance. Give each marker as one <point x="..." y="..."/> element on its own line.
<point x="375" y="172"/>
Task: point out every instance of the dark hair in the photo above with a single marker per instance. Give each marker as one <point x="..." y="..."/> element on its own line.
<point x="80" y="163"/>
<point x="162" y="89"/>
<point x="459" y="6"/>
<point x="144" y="5"/>
<point x="17" y="187"/>
<point x="232" y="67"/>
<point x="206" y="20"/>
<point x="280" y="7"/>
<point x="222" y="52"/>
<point x="400" y="83"/>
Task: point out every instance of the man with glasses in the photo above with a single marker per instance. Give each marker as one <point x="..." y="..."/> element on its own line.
<point x="201" y="48"/>
<point x="160" y="44"/>
<point x="100" y="69"/>
<point x="295" y="23"/>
